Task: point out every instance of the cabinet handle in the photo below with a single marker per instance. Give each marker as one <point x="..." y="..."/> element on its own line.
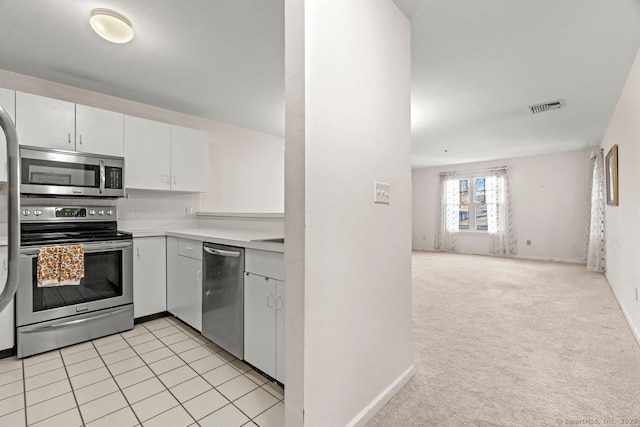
<point x="138" y="251"/>
<point x="280" y="306"/>
<point x="199" y="276"/>
<point x="270" y="300"/>
<point x="69" y="137"/>
<point x="164" y="179"/>
<point x="4" y="264"/>
<point x="174" y="180"/>
<point x="80" y="139"/>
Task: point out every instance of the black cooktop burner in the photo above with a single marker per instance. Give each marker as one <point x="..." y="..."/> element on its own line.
<point x="32" y="234"/>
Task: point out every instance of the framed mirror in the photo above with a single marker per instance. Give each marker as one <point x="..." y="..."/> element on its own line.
<point x="611" y="171"/>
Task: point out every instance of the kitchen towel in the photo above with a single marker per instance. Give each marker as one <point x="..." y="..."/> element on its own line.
<point x="71" y="264"/>
<point x="60" y="265"/>
<point x="48" y="266"/>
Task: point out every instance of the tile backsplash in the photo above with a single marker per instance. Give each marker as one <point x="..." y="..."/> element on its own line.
<point x="142" y="205"/>
<point x="137" y="205"/>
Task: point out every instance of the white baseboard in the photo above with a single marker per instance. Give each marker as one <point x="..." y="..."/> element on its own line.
<point x="634" y="331"/>
<point x="541" y="258"/>
<point x="382" y="399"/>
<point x="533" y="258"/>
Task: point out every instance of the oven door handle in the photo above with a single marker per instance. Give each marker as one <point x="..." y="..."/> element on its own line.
<point x="88" y="248"/>
<point x="75" y="322"/>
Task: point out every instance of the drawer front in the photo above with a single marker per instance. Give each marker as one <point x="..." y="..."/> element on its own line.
<point x="264" y="263"/>
<point x="190" y="249"/>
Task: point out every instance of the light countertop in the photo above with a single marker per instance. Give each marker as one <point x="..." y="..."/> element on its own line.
<point x="224" y="236"/>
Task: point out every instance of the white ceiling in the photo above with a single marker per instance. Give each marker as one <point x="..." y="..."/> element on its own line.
<point x="218" y="59"/>
<point x="477" y="65"/>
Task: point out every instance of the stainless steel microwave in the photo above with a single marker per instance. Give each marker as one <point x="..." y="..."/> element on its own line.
<point x="48" y="172"/>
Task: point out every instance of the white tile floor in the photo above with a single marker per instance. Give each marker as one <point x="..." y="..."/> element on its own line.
<point x="161" y="373"/>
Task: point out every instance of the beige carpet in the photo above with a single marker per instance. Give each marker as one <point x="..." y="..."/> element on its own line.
<point x="503" y="342"/>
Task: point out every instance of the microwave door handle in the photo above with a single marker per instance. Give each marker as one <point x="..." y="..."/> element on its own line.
<point x="103" y="176"/>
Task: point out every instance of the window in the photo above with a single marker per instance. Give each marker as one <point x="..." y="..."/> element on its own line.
<point x="472" y="210"/>
<point x="476" y="204"/>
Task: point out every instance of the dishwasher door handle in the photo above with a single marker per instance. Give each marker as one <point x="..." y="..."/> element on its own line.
<point x="221" y="252"/>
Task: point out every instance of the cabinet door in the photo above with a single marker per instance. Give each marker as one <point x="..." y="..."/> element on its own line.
<point x="147" y="154"/>
<point x="99" y="131"/>
<point x="279" y="331"/>
<point x="149" y="276"/>
<point x="45" y="122"/>
<point x="259" y="322"/>
<point x="184" y="286"/>
<point x="6" y="316"/>
<point x="8" y="102"/>
<point x="189" y="159"/>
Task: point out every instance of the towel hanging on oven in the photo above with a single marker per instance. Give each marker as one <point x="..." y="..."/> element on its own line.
<point x="60" y="265"/>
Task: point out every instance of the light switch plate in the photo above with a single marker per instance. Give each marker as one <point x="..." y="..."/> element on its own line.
<point x="381" y="193"/>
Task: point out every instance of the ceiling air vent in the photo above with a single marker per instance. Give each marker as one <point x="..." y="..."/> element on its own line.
<point x="547" y="106"/>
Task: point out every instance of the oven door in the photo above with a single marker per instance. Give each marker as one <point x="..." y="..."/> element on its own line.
<point x="107" y="282"/>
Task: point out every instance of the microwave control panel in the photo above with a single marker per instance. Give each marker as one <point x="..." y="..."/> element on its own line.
<point x="113" y="177"/>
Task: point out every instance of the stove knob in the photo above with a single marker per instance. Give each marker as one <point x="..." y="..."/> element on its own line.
<point x="100" y="212"/>
<point x="92" y="212"/>
<point x="26" y="212"/>
<point x="109" y="212"/>
<point x="37" y="212"/>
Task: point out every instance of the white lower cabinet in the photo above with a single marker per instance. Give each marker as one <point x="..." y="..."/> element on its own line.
<point x="184" y="280"/>
<point x="264" y="312"/>
<point x="259" y="322"/>
<point x="280" y="331"/>
<point x="6" y="316"/>
<point x="149" y="276"/>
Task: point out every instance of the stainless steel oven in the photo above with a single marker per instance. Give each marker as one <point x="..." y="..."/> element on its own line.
<point x="101" y="304"/>
<point x="47" y="172"/>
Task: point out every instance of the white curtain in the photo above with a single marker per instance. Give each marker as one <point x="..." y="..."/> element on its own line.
<point x="596" y="247"/>
<point x="447" y="216"/>
<point x="500" y="227"/>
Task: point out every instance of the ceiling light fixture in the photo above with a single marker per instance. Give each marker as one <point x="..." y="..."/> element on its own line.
<point x="111" y="25"/>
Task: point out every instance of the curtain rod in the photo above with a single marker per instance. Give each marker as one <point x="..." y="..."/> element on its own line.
<point x="476" y="171"/>
<point x="594" y="154"/>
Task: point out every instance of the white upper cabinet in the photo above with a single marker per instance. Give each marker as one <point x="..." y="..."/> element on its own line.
<point x="52" y="123"/>
<point x="189" y="159"/>
<point x="159" y="156"/>
<point x="147" y="154"/>
<point x="99" y="131"/>
<point x="45" y="122"/>
<point x="8" y="102"/>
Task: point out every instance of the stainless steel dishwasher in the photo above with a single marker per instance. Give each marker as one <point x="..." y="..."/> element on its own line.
<point x="223" y="297"/>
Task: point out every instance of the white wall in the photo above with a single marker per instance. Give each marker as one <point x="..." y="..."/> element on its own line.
<point x="247" y="167"/>
<point x="621" y="222"/>
<point x="348" y="125"/>
<point x="551" y="199"/>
